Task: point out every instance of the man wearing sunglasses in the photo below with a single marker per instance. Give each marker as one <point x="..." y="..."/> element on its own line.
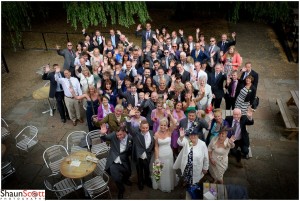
<point x="69" y="56"/>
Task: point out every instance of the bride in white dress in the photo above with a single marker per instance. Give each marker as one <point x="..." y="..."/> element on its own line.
<point x="163" y="153"/>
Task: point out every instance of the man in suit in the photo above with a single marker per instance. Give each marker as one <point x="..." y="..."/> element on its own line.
<point x="216" y="80"/>
<point x="146" y="65"/>
<point x="145" y="34"/>
<point x="118" y="163"/>
<point x="162" y="76"/>
<point x="199" y="53"/>
<point x="193" y="122"/>
<point x="168" y="45"/>
<point x="131" y="97"/>
<point x="143" y="145"/>
<point x="130" y="71"/>
<point x="224" y="44"/>
<point x="69" y="56"/>
<point x="166" y="60"/>
<point x="175" y="39"/>
<point x="56" y="91"/>
<point x="248" y="71"/>
<point x="115" y="38"/>
<point x="213" y="48"/>
<point x="72" y="104"/>
<point x="148" y="105"/>
<point x="238" y="124"/>
<point x="233" y="87"/>
<point x="153" y="57"/>
<point x="185" y="76"/>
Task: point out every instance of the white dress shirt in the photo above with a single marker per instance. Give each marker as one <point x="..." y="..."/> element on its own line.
<point x="147" y="143"/>
<point x="123" y="144"/>
<point x="66" y="85"/>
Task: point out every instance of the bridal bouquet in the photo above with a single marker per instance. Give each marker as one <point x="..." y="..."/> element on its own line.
<point x="157" y="169"/>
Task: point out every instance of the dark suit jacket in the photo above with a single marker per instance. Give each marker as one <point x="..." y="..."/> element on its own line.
<point x="239" y="86"/>
<point x="171" y="95"/>
<point x="69" y="58"/>
<point x="117" y="39"/>
<point x="127" y="95"/>
<point x="148" y="106"/>
<point x="254" y="75"/>
<point x="243" y="122"/>
<point x="144" y="37"/>
<point x="114" y="150"/>
<point x="201" y="56"/>
<point x="217" y="54"/>
<point x="225" y="47"/>
<point x="216" y="84"/>
<point x="185" y="77"/>
<point x="53" y="83"/>
<point x="139" y="146"/>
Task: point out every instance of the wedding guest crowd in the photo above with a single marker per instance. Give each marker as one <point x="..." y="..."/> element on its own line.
<point x="153" y="102"/>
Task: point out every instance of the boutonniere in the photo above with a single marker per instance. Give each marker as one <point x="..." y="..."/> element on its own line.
<point x="249" y="90"/>
<point x="129" y="142"/>
<point x="195" y="123"/>
<point x="190" y="143"/>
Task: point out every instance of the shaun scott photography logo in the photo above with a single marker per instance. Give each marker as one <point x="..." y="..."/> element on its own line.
<point x="22" y="195"/>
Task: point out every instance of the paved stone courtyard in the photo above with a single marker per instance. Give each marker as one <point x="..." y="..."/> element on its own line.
<point x="272" y="172"/>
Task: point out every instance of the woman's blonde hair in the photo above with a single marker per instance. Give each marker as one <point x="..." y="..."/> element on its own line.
<point x="218" y="111"/>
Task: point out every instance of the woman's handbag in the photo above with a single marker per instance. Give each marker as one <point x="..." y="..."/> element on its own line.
<point x="255" y="103"/>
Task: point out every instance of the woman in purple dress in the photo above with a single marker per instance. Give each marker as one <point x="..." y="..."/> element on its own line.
<point x="157" y="114"/>
<point x="178" y="114"/>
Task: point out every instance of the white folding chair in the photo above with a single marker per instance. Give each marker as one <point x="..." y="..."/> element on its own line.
<point x="61" y="187"/>
<point x="27" y="138"/>
<point x="95" y="144"/>
<point x="74" y="139"/>
<point x="53" y="156"/>
<point x="4" y="130"/>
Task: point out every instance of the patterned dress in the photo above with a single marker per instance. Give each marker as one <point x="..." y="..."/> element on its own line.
<point x="240" y="103"/>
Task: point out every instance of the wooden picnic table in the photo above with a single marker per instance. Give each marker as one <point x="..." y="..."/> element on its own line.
<point x="294" y="100"/>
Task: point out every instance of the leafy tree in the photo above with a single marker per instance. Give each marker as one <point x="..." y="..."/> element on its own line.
<point x="17" y="15"/>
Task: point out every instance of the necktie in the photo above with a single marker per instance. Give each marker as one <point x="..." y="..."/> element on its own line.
<point x="197" y="75"/>
<point x="59" y="87"/>
<point x="210" y="49"/>
<point x="223" y="43"/>
<point x="167" y="62"/>
<point x="70" y="83"/>
<point x="216" y="75"/>
<point x="71" y="52"/>
<point x="197" y="53"/>
<point x="246" y="74"/>
<point x="148" y="35"/>
<point x="233" y="88"/>
<point x="235" y="127"/>
<point x="113" y="41"/>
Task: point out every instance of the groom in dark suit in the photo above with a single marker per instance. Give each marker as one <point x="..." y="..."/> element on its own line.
<point x="118" y="163"/>
<point x="143" y="144"/>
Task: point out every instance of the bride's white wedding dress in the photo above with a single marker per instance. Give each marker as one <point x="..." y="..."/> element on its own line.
<point x="168" y="179"/>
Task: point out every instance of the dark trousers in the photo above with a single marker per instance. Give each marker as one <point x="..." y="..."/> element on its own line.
<point x="237" y="153"/>
<point x="230" y="102"/>
<point x="61" y="105"/>
<point x="143" y="171"/>
<point x="119" y="174"/>
<point x="216" y="102"/>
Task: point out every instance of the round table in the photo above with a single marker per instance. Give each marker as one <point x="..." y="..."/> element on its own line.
<point x="3" y="149"/>
<point x="85" y="168"/>
<point x="41" y="93"/>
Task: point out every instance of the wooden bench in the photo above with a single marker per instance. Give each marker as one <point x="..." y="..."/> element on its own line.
<point x="294" y="100"/>
<point x="288" y="119"/>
